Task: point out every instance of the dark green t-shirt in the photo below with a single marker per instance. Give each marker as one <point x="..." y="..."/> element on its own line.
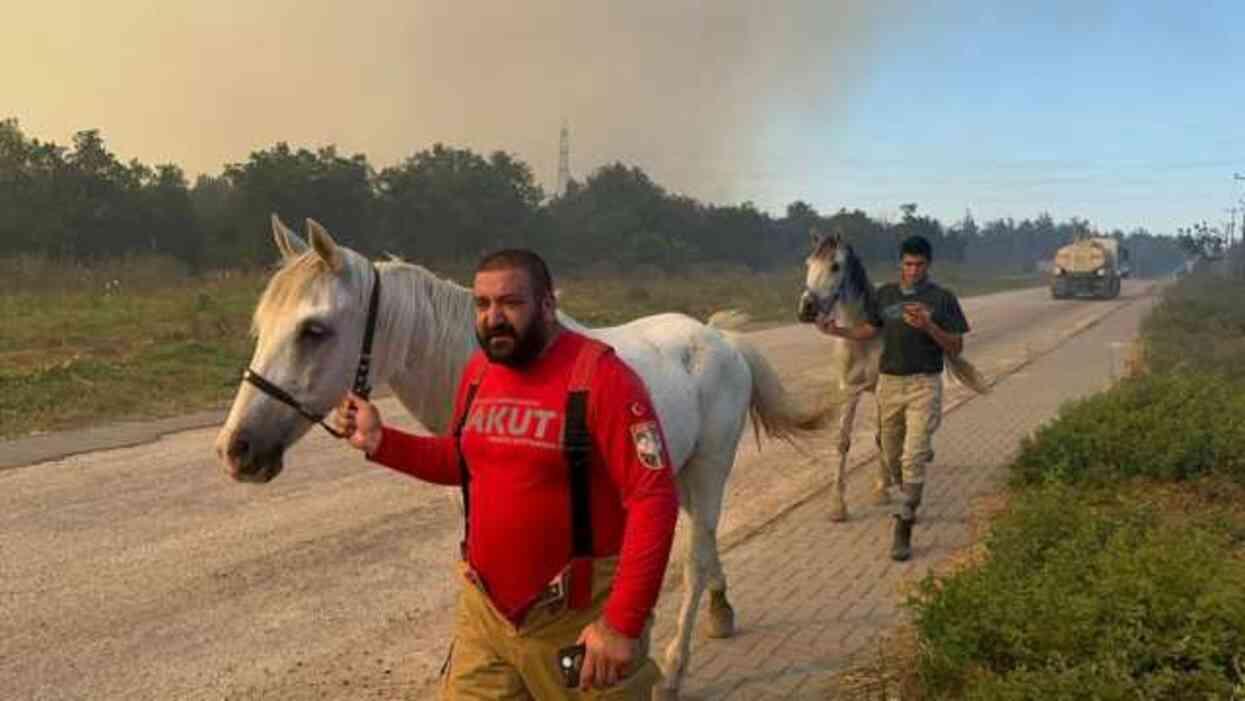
<point x="909" y="351"/>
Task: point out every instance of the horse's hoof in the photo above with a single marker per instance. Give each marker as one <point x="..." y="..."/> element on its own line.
<point x="663" y="694"/>
<point x="838" y="510"/>
<point x="720" y="623"/>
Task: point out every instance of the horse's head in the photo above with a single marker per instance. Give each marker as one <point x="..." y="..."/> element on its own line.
<point x="834" y="274"/>
<point x="309" y="327"/>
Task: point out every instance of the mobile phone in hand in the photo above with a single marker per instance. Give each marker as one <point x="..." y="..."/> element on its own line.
<point x="570" y="662"/>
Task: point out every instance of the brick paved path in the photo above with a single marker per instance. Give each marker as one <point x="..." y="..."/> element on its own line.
<point x="809" y="592"/>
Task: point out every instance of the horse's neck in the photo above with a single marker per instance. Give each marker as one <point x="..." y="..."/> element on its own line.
<point x="854" y="363"/>
<point x="427" y="339"/>
<point x="428" y="336"/>
<point x="850" y="313"/>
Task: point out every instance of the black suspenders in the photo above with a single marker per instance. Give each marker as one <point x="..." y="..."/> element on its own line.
<point x="464" y="473"/>
<point x="577" y="451"/>
<point x="577" y="447"/>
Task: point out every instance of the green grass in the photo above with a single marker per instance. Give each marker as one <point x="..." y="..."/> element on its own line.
<point x="1200" y="324"/>
<point x="77" y="348"/>
<point x="767" y="297"/>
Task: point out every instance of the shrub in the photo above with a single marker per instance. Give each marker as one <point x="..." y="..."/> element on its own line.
<point x="1086" y="595"/>
<point x="1168" y="426"/>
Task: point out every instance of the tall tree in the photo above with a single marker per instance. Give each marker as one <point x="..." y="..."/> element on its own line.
<point x="453" y="203"/>
<point x="296" y="184"/>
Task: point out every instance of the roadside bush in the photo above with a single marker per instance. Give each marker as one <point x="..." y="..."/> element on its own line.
<point x="1167" y="426"/>
<point x="1086" y="595"/>
<point x="1199" y="326"/>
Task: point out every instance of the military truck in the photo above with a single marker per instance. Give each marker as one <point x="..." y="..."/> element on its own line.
<point x="1092" y="266"/>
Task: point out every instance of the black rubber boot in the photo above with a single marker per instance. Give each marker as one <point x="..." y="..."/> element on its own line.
<point x="910" y="500"/>
<point x="901" y="549"/>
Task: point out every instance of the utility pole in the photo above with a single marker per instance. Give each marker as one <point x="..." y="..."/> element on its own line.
<point x="1238" y="176"/>
<point x="564" y="159"/>
<point x="1231" y="212"/>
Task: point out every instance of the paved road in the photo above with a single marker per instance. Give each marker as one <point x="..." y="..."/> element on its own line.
<point x="143" y="573"/>
<point x="815" y="594"/>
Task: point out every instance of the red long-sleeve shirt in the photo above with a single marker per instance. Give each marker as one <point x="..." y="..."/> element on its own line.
<point x="519" y="535"/>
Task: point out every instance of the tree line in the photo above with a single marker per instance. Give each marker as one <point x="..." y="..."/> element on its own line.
<point x="445" y="204"/>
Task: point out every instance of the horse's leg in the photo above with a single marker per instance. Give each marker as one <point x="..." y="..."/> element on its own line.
<point x="721" y="620"/>
<point x="679" y="649"/>
<point x="701" y="489"/>
<point x="843" y="444"/>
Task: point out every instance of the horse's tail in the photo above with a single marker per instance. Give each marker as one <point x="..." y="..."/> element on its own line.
<point x="964" y="373"/>
<point x="773" y="409"/>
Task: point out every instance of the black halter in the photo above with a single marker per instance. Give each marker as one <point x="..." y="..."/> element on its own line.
<point x="361" y="386"/>
<point x="825" y="305"/>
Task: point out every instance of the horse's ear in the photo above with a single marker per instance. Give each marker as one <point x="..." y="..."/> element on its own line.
<point x="288" y="242"/>
<point x="324" y="245"/>
<point x="815" y="236"/>
<point x="837" y="236"/>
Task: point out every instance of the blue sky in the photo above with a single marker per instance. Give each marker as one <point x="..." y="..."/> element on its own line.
<point x="1126" y="113"/>
<point x="1130" y="114"/>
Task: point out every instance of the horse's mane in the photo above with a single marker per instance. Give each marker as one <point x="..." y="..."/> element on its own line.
<point x="448" y="318"/>
<point x="824" y="248"/>
<point x="856" y="284"/>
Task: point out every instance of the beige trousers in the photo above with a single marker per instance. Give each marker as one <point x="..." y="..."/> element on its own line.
<point x="491" y="659"/>
<point x="909" y="411"/>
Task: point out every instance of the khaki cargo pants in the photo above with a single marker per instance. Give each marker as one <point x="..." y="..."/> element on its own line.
<point x="491" y="659"/>
<point x="909" y="411"/>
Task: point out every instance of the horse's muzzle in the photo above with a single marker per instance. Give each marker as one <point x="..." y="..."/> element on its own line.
<point x="806" y="311"/>
<point x="245" y="461"/>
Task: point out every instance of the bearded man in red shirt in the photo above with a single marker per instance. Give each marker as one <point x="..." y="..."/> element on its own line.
<point x="569" y="496"/>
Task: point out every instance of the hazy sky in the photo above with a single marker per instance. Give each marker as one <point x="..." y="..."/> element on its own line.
<point x="1130" y="113"/>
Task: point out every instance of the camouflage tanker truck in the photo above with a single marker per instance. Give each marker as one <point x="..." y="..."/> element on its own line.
<point x="1089" y="267"/>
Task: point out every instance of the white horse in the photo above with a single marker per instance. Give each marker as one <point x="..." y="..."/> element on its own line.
<point x="704" y="381"/>
<point x="837" y="284"/>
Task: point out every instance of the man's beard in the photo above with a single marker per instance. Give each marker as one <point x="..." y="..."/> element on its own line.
<point x="522" y="349"/>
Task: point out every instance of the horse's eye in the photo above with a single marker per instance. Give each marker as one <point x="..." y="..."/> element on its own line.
<point x="314" y="331"/>
<point x="834" y="267"/>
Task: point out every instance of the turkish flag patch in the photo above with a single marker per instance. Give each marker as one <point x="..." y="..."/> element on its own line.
<point x="647" y="440"/>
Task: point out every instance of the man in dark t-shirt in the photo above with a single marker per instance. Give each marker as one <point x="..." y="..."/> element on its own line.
<point x="919" y="323"/>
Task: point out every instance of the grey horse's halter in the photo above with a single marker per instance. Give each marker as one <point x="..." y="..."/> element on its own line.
<point x="361" y="386"/>
<point x="825" y="306"/>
